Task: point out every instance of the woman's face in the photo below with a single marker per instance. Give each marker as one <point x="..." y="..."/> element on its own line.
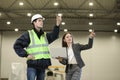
<point x="68" y="38"/>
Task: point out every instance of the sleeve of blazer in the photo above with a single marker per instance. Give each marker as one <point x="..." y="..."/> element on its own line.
<point x="64" y="61"/>
<point x="87" y="46"/>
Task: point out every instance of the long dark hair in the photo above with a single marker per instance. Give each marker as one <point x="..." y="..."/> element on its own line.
<point x="64" y="44"/>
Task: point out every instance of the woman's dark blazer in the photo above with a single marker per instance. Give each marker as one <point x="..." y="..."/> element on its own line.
<point x="77" y="48"/>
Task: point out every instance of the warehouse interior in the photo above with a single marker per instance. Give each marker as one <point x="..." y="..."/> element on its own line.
<point x="78" y="17"/>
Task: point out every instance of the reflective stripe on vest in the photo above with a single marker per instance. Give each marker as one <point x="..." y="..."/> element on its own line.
<point x="38" y="47"/>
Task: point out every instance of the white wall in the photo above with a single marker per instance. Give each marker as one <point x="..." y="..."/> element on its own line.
<point x="102" y="61"/>
<point x="8" y="55"/>
<point x="0" y="52"/>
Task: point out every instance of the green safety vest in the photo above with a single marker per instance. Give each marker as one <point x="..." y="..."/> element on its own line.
<point x="38" y="47"/>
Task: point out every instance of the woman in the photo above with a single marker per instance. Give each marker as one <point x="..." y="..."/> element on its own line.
<point x="74" y="62"/>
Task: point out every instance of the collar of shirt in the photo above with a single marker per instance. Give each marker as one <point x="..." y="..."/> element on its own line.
<point x="39" y="33"/>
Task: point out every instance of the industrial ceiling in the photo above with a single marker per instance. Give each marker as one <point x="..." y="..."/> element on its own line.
<point x="106" y="14"/>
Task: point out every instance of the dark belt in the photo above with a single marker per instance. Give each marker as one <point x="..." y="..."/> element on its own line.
<point x="71" y="65"/>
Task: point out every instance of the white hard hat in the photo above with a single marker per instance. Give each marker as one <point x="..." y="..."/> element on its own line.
<point x="36" y="16"/>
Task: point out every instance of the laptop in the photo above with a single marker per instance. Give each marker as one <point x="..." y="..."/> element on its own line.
<point x="58" y="52"/>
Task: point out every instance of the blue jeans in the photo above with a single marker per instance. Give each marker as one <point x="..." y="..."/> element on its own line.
<point x="35" y="74"/>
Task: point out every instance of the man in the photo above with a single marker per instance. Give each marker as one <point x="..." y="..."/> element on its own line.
<point x="33" y="45"/>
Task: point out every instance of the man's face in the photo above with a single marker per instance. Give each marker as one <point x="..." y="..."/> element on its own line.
<point x="38" y="23"/>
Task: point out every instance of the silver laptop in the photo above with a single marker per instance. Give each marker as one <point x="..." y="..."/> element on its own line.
<point x="58" y="52"/>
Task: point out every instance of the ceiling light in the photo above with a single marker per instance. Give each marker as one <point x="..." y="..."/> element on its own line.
<point x="63" y="23"/>
<point x="59" y="14"/>
<point x="90" y="3"/>
<point x="0" y="14"/>
<point x="91" y="15"/>
<point x="90" y="30"/>
<point x="115" y="30"/>
<point x="8" y="22"/>
<point x="29" y="14"/>
<point x="90" y="23"/>
<point x="118" y="23"/>
<point x="65" y="30"/>
<point x="16" y="29"/>
<point x="56" y="3"/>
<point x="21" y="3"/>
